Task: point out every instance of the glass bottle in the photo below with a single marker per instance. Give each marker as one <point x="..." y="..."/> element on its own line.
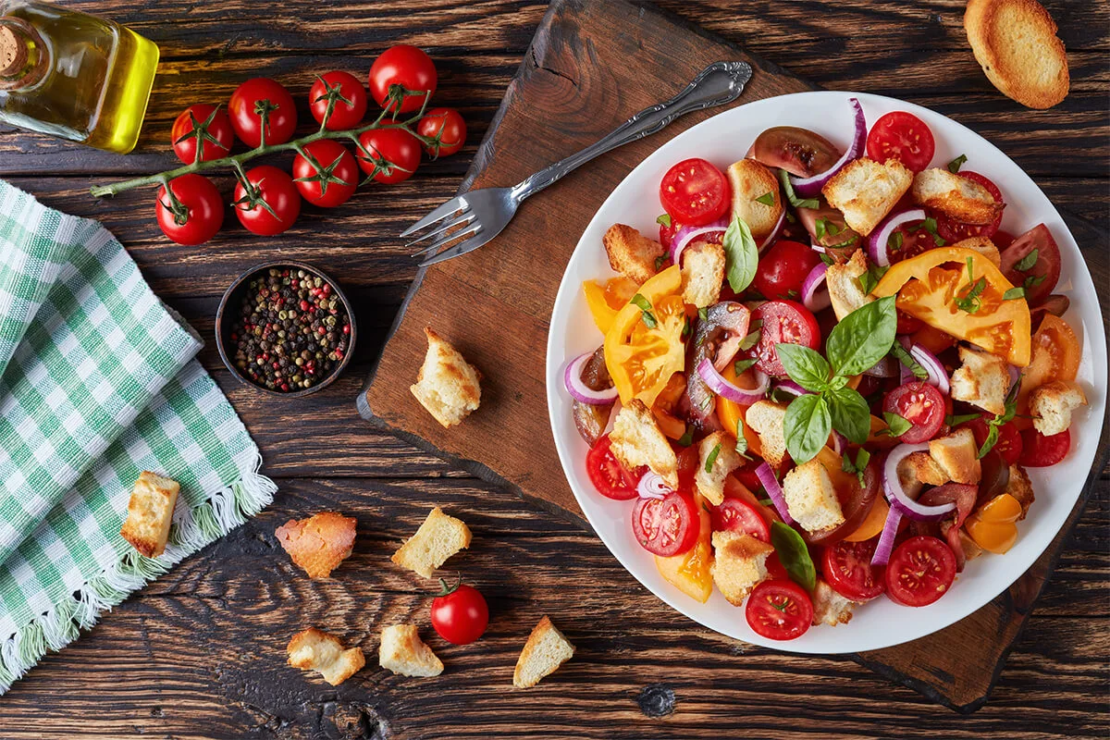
<point x="73" y="75"/>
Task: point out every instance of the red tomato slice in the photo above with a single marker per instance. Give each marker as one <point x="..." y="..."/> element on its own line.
<point x="610" y="478"/>
<point x="666" y="234"/>
<point x="783" y="322"/>
<point x="1041" y="451"/>
<point x="847" y="567"/>
<point x="914" y="240"/>
<point x="920" y="571"/>
<point x="734" y="515"/>
<point x="783" y="268"/>
<point x="902" y="136"/>
<point x="1041" y="277"/>
<point x="1009" y="443"/>
<point x="779" y="610"/>
<point x="953" y="231"/>
<point x="694" y="192"/>
<point x="668" y="526"/>
<point x="908" y="324"/>
<point x="922" y="405"/>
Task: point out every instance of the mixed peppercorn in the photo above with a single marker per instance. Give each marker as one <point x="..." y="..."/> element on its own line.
<point x="291" y="331"/>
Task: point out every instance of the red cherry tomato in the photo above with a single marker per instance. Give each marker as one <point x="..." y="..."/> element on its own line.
<point x="1041" y="276"/>
<point x="920" y="571"/>
<point x="328" y="176"/>
<point x="270" y="187"/>
<point x="448" y="125"/>
<point x="459" y="613"/>
<point x="783" y="268"/>
<point x="784" y="322"/>
<point x="695" y="192"/>
<point x="395" y="154"/>
<point x="203" y="130"/>
<point x="953" y="231"/>
<point x="734" y="515"/>
<point x="666" y="234"/>
<point x="908" y="324"/>
<point x="346" y="96"/>
<point x="410" y="69"/>
<point x="779" y="610"/>
<point x="666" y="526"/>
<point x="1041" y="451"/>
<point x="902" y="136"/>
<point x="922" y="405"/>
<point x="609" y="476"/>
<point x="848" y="570"/>
<point x="254" y="95"/>
<point x="1009" y="443"/>
<point x="196" y="216"/>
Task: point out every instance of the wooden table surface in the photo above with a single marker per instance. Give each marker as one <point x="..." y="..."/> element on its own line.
<point x="200" y="653"/>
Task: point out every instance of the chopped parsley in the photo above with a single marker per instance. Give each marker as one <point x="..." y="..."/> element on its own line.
<point x="753" y="337"/>
<point x="703" y="313"/>
<point x="998" y="421"/>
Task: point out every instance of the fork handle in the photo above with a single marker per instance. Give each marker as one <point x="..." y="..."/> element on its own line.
<point x="717" y="84"/>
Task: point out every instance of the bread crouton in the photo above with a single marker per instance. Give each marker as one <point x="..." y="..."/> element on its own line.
<point x="1021" y="488"/>
<point x="1015" y="43"/>
<point x="316" y="650"/>
<point x="865" y="191"/>
<point x="739" y="564"/>
<point x="319" y="543"/>
<point x="983" y="246"/>
<point x="547" y="649"/>
<point x="439" y="537"/>
<point x="150" y="513"/>
<point x="829" y="607"/>
<point x="710" y="478"/>
<point x="969" y="546"/>
<point x="811" y="498"/>
<point x="958" y="455"/>
<point x="1052" y="403"/>
<point x="766" y="419"/>
<point x="703" y="273"/>
<point x="982" y="380"/>
<point x="637" y="441"/>
<point x="908" y="472"/>
<point x="631" y="253"/>
<point x="958" y="197"/>
<point x="922" y="468"/>
<point x="751" y="180"/>
<point x="845" y="289"/>
<point x="403" y="652"/>
<point x="447" y="385"/>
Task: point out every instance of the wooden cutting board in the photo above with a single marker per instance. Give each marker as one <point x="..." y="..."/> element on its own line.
<point x="590" y="66"/>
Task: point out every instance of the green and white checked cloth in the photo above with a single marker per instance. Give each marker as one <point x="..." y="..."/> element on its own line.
<point x="98" y="382"/>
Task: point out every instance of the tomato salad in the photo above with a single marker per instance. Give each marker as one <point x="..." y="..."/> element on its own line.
<point x="826" y="380"/>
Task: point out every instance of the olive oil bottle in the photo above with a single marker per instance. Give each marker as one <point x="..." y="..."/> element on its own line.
<point x="73" y="75"/>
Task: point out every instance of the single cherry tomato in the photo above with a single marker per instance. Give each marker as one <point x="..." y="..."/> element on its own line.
<point x="783" y="268"/>
<point x="202" y="133"/>
<point x="695" y="192"/>
<point x="666" y="526"/>
<point x="1009" y="443"/>
<point x="779" y="610"/>
<point x="404" y="73"/>
<point x="1041" y="270"/>
<point x="666" y="233"/>
<point x="920" y="571"/>
<point x="734" y="515"/>
<point x="902" y="136"/>
<point x="344" y="94"/>
<point x="261" y="96"/>
<point x="459" y="613"/>
<point x="922" y="405"/>
<point x="784" y="322"/>
<point x="1041" y="451"/>
<point x="848" y="570"/>
<point x="326" y="174"/>
<point x="609" y="476"/>
<point x="196" y="212"/>
<point x="272" y="204"/>
<point x="448" y="126"/>
<point x="394" y="154"/>
<point x="953" y="231"/>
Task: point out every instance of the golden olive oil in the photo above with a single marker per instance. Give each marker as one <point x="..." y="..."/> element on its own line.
<point x="73" y="75"/>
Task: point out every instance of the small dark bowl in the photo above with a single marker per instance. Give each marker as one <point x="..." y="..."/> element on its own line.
<point x="225" y="317"/>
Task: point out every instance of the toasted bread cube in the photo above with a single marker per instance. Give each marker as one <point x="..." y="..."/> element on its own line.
<point x="319" y="543"/>
<point x="766" y="419"/>
<point x="982" y="380"/>
<point x="631" y="253"/>
<point x="547" y="649"/>
<point x="958" y="197"/>
<point x="711" y="483"/>
<point x="316" y="650"/>
<point x="922" y="468"/>
<point x="908" y="472"/>
<point x="958" y="455"/>
<point x="811" y="498"/>
<point x="751" y="180"/>
<point x="703" y="273"/>
<point x="1021" y="488"/>
<point x="1052" y="403"/>
<point x="983" y="246"/>
<point x="845" y="289"/>
<point x="866" y="191"/>
<point x="829" y="607"/>
<point x="739" y="564"/>
<point x="969" y="546"/>
<point x="637" y="440"/>
<point x="447" y="385"/>
<point x="439" y="537"/>
<point x="404" y="653"/>
<point x="150" y="513"/>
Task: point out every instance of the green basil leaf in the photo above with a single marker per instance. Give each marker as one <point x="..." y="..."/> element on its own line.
<point x="712" y="458"/>
<point x="659" y="262"/>
<point x="1013" y="294"/>
<point x="740" y="366"/>
<point x="955" y="421"/>
<point x="687" y="439"/>
<point x="863" y="337"/>
<point x="806" y="427"/>
<point x="990" y="441"/>
<point x="788" y="188"/>
<point x="827" y="259"/>
<point x="1033" y="281"/>
<point x="741" y="255"/>
<point x="805" y="366"/>
<point x="955" y="164"/>
<point x="906" y="359"/>
<point x="894" y="241"/>
<point x="794" y="555"/>
<point x="897" y="425"/>
<point x="664" y="220"/>
<point x="753" y="336"/>
<point x="1027" y="261"/>
<point x="703" y="314"/>
<point x="767" y="199"/>
<point x="850" y="414"/>
<point x="766" y="502"/>
<point x="741" y="440"/>
<point x="819" y="228"/>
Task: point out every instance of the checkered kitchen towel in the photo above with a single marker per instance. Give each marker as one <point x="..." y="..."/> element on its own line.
<point x="98" y="382"/>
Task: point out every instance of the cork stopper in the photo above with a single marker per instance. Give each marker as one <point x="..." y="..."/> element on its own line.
<point x="13" y="52"/>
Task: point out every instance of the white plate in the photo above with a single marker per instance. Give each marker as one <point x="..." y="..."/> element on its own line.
<point x="722" y="140"/>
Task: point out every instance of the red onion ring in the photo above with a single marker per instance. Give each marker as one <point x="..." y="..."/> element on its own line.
<point x="878" y="244"/>
<point x="809" y="187"/>
<point x="572" y="378"/>
<point x="1015" y="374"/>
<point x="774" y="232"/>
<point x="840" y="443"/>
<point x="789" y="386"/>
<point x="897" y="496"/>
<point x="886" y="539"/>
<point x="815" y="294"/>
<point x="652" y="485"/>
<point x="685" y="235"/>
<point x="723" y="388"/>
<point x="938" y="376"/>
<point x="774" y="491"/>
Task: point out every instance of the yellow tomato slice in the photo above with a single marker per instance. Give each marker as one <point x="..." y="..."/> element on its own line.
<point x="604" y="301"/>
<point x="874" y="523"/>
<point x="689" y="572"/>
<point x="993" y="526"/>
<point x="1056" y="354"/>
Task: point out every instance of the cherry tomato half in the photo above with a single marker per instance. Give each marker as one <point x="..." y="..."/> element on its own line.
<point x="922" y="405"/>
<point x="734" y="515"/>
<point x="953" y="231"/>
<point x="902" y="136"/>
<point x="666" y="526"/>
<point x="609" y="476"/>
<point x="779" y="610"/>
<point x="346" y="96"/>
<point x="409" y="68"/>
<point x="448" y="125"/>
<point x="848" y="570"/>
<point x="1041" y="451"/>
<point x="1009" y="443"/>
<point x="328" y="175"/>
<point x="666" y="234"/>
<point x="254" y="95"/>
<point x="395" y="154"/>
<point x="920" y="571"/>
<point x="784" y="322"/>
<point x="783" y="268"/>
<point x="198" y="213"/>
<point x="271" y="187"/>
<point x="695" y="192"/>
<point x="203" y="130"/>
<point x="459" y="613"/>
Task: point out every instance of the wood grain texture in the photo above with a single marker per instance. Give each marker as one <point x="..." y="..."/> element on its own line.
<point x="199" y="654"/>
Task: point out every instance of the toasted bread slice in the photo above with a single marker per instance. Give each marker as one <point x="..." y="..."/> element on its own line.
<point x="547" y="649"/>
<point x="829" y="607"/>
<point x="766" y="418"/>
<point x="710" y="478"/>
<point x="1052" y="403"/>
<point x="845" y="289"/>
<point x="983" y="246"/>
<point x="922" y="468"/>
<point x="637" y="441"/>
<point x="631" y="253"/>
<point x="319" y="543"/>
<point x="751" y="180"/>
<point x="403" y="652"/>
<point x="958" y="455"/>
<point x="703" y="273"/>
<point x="957" y="197"/>
<point x="739" y="564"/>
<point x="1021" y="488"/>
<point x="439" y="537"/>
<point x="447" y="385"/>
<point x="865" y="191"/>
<point x="150" y="513"/>
<point x="811" y="498"/>
<point x="1015" y="43"/>
<point x="316" y="650"/>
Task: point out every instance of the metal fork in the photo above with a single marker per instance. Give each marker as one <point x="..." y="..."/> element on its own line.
<point x="480" y="215"/>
